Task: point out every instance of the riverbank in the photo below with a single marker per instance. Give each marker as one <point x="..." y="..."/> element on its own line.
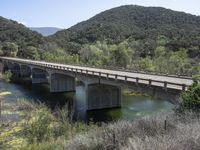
<point x="38" y="128"/>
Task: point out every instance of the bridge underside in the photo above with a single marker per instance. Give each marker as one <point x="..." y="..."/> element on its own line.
<point x="39" y="76"/>
<point x="25" y="71"/>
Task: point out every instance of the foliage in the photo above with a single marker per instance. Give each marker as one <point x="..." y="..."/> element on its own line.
<point x="10" y="49"/>
<point x="11" y="31"/>
<point x="7" y="76"/>
<point x="61" y="58"/>
<point x="121" y="55"/>
<point x="149" y="132"/>
<point x="30" y="52"/>
<point x="91" y="54"/>
<point x="146" y="64"/>
<point x="191" y="97"/>
<point x="39" y="127"/>
<point x="148" y="26"/>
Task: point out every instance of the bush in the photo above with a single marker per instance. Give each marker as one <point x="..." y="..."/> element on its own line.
<point x="191" y="97"/>
<point x="145" y="133"/>
<point x="39" y="125"/>
<point x="7" y="76"/>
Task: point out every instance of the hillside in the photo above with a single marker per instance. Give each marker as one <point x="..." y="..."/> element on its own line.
<point x="12" y="31"/>
<point x="16" y="37"/>
<point x="45" y="31"/>
<point x="136" y="23"/>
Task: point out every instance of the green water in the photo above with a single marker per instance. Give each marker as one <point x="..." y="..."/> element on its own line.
<point x="132" y="106"/>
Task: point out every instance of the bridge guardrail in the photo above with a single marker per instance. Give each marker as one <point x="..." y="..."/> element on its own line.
<point x="182" y="76"/>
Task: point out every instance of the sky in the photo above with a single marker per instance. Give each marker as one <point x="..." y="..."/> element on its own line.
<point x="66" y="13"/>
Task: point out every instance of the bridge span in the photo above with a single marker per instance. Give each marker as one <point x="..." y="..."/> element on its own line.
<point x="103" y="86"/>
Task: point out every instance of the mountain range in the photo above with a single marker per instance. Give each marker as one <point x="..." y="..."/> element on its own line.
<point x="45" y="31"/>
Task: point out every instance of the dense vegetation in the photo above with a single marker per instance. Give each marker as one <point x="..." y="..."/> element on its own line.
<point x="15" y="38"/>
<point x="140" y="38"/>
<point x="38" y="128"/>
<point x="191" y="98"/>
<point x="135" y="23"/>
<point x="134" y="37"/>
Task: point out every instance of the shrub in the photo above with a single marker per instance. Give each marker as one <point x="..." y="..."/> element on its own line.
<point x="6" y="76"/>
<point x="191" y="97"/>
<point x="145" y="133"/>
<point x="39" y="125"/>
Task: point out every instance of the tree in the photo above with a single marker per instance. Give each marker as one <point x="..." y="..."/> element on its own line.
<point x="30" y="52"/>
<point x="91" y="54"/>
<point x="146" y="64"/>
<point x="10" y="49"/>
<point x="191" y="97"/>
<point x="121" y="55"/>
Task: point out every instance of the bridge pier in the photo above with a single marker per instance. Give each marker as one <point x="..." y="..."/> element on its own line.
<point x="61" y="83"/>
<point x="15" y="70"/>
<point x="4" y="67"/>
<point x="25" y="71"/>
<point x="39" y="76"/>
<point x="9" y="65"/>
<point x="100" y="96"/>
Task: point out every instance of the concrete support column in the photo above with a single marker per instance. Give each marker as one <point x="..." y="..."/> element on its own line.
<point x="9" y="65"/>
<point x="100" y="96"/>
<point x="25" y="71"/>
<point x="15" y="70"/>
<point x="4" y="67"/>
<point x="39" y="76"/>
<point x="61" y="83"/>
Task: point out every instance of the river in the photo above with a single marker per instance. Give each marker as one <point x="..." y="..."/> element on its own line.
<point x="132" y="106"/>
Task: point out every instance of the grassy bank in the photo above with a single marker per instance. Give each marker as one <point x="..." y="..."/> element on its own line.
<point x="27" y="125"/>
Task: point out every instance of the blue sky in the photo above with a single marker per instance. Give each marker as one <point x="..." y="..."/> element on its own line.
<point x="65" y="13"/>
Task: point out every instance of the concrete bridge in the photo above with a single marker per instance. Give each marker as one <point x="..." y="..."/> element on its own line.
<point x="103" y="86"/>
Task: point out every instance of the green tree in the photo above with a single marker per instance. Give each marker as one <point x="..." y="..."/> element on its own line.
<point x="30" y="52"/>
<point x="177" y="61"/>
<point x="146" y="64"/>
<point x="10" y="49"/>
<point x="91" y="54"/>
<point x="121" y="55"/>
<point x="191" y="97"/>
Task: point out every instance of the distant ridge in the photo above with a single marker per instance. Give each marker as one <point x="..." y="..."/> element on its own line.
<point x="45" y="31"/>
<point x="131" y="22"/>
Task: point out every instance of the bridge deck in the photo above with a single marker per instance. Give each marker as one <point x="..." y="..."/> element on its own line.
<point x="179" y="83"/>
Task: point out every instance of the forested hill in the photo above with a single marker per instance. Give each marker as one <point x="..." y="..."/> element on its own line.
<point x="135" y="37"/>
<point x="133" y="22"/>
<point x="17" y="36"/>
